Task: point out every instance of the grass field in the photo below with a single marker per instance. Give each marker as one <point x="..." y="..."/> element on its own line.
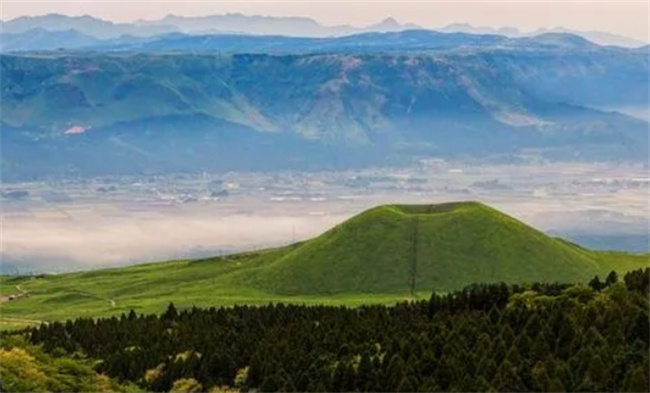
<point x="149" y="289"/>
<point x="378" y="256"/>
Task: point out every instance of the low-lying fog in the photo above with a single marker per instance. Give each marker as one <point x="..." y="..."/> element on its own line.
<point x="105" y="222"/>
<point x="106" y="240"/>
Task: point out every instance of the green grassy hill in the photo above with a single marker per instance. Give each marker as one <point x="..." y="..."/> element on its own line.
<point x="447" y="246"/>
<point x="378" y="256"/>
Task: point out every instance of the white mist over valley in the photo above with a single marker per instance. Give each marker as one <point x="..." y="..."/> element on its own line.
<point x="69" y="225"/>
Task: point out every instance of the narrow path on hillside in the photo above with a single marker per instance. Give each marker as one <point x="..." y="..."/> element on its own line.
<point x="9" y="298"/>
<point x="95" y="296"/>
<point x="110" y="301"/>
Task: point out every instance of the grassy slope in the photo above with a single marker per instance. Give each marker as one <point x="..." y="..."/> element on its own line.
<point x="452" y="245"/>
<point x="150" y="287"/>
<point x="365" y="260"/>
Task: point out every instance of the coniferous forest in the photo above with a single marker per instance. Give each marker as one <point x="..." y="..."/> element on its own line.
<point x="497" y="337"/>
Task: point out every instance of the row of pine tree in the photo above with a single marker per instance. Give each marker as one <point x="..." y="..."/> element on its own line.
<point x="541" y="337"/>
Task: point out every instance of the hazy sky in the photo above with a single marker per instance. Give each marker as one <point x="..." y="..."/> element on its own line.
<point x="629" y="18"/>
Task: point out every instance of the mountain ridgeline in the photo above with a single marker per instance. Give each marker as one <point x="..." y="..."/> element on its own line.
<point x="108" y="113"/>
<point x="18" y="31"/>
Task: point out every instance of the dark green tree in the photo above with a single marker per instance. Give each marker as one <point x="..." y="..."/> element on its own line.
<point x="595" y="284"/>
<point x="611" y="279"/>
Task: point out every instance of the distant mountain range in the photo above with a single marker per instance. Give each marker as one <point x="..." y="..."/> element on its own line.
<point x="40" y="39"/>
<point x="597" y="37"/>
<point x="211" y="24"/>
<point x="250" y="25"/>
<point x="402" y="41"/>
<point x="399" y="41"/>
<point x="372" y="98"/>
<point x="86" y="24"/>
<point x="85" y="96"/>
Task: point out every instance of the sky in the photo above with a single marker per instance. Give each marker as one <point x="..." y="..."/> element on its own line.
<point x="625" y="17"/>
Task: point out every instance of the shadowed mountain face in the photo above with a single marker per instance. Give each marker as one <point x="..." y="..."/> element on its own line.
<point x="229" y="111"/>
